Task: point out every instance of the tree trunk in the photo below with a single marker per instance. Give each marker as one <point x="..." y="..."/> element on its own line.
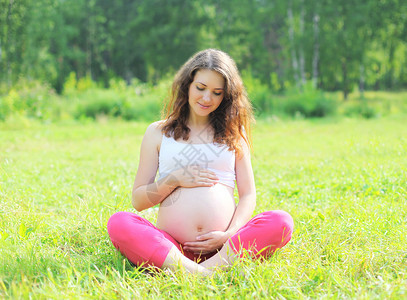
<point x="291" y="37"/>
<point x="89" y="38"/>
<point x="362" y="80"/>
<point x="273" y="46"/>
<point x="301" y="49"/>
<point x="315" y="57"/>
<point x="390" y="76"/>
<point x="9" y="71"/>
<point x="345" y="88"/>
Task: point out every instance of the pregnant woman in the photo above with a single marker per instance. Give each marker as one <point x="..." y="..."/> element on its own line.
<point x="200" y="149"/>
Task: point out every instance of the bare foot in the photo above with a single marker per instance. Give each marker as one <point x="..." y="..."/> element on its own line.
<point x="175" y="260"/>
<point x="223" y="259"/>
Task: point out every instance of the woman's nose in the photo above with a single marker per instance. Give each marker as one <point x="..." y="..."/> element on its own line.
<point x="207" y="96"/>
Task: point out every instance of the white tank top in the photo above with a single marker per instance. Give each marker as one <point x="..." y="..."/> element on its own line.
<point x="212" y="156"/>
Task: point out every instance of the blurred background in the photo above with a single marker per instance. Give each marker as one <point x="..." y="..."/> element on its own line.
<point x="81" y="59"/>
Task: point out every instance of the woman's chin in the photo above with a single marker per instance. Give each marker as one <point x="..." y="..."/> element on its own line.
<point x="202" y="113"/>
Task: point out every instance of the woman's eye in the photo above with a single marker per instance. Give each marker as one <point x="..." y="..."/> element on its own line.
<point x="202" y="88"/>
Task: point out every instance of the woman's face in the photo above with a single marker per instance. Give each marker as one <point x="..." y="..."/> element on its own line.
<point x="206" y="92"/>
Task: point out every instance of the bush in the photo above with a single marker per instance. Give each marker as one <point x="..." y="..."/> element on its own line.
<point x="138" y="101"/>
<point x="308" y="102"/>
<point x="96" y="102"/>
<point x="145" y="109"/>
<point x="360" y="109"/>
<point x="83" y="99"/>
<point x="30" y="98"/>
<point x="260" y="95"/>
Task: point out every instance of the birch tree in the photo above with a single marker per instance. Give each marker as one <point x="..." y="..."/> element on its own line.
<point x="291" y="36"/>
<point x="315" y="56"/>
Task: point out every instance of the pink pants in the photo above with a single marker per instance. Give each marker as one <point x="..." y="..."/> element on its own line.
<point x="143" y="243"/>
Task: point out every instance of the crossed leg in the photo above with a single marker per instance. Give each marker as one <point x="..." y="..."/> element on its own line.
<point x="259" y="238"/>
<point x="142" y="243"/>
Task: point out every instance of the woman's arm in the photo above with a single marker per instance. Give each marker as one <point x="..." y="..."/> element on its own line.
<point x="147" y="193"/>
<point x="246" y="189"/>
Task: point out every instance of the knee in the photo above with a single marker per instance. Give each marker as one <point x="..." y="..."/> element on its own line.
<point x="281" y="221"/>
<point x="118" y="225"/>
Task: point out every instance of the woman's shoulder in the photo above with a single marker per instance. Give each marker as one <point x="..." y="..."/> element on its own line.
<point x="155" y="127"/>
<point x="154" y="132"/>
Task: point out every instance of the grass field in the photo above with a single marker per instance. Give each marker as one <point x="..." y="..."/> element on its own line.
<point x="342" y="180"/>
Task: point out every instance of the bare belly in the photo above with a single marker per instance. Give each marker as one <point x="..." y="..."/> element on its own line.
<point x="189" y="212"/>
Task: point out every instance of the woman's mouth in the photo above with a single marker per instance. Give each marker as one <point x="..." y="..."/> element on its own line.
<point x="203" y="106"/>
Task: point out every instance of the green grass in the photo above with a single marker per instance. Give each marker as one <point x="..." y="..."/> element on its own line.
<point x="342" y="180"/>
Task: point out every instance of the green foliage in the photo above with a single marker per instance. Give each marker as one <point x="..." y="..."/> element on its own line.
<point x="97" y="102"/>
<point x="32" y="99"/>
<point x="374" y="104"/>
<point x="361" y="109"/>
<point x="260" y="94"/>
<point x="307" y="102"/>
<point x="100" y="40"/>
<point x="274" y="83"/>
<point x="70" y="84"/>
<point x="137" y="101"/>
<point x="85" y="99"/>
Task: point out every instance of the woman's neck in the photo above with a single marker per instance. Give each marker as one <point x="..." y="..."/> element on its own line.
<point x="198" y="122"/>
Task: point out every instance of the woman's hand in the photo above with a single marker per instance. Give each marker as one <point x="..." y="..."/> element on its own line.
<point x="193" y="176"/>
<point x="207" y="242"/>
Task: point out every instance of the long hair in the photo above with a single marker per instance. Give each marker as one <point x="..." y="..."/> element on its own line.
<point x="231" y="121"/>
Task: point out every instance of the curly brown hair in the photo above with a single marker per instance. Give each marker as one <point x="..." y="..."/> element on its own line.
<point x="231" y="121"/>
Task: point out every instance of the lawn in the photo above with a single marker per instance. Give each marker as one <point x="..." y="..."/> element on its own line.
<point x="342" y="180"/>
